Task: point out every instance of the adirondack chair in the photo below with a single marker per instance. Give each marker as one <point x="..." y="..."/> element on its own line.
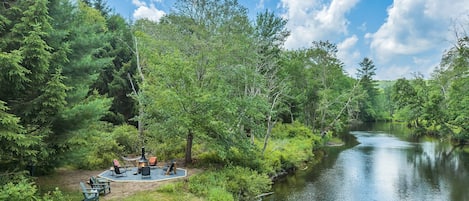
<point x="146" y="171"/>
<point x="170" y="168"/>
<point x="101" y="184"/>
<point x="90" y="194"/>
<point x="118" y="171"/>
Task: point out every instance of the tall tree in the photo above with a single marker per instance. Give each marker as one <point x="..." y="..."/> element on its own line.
<point x="38" y="93"/>
<point x="81" y="33"/>
<point x="369" y="109"/>
<point x="17" y="146"/>
<point x="407" y="100"/>
<point x="113" y="78"/>
<point x="454" y="84"/>
<point x="332" y="86"/>
<point x="194" y="47"/>
<point x="271" y="33"/>
<point x="100" y="5"/>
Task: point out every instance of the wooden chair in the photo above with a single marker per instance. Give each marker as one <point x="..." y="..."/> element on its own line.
<point x="170" y="168"/>
<point x="118" y="171"/>
<point x="146" y="171"/>
<point x="90" y="194"/>
<point x="153" y="161"/>
<point x="101" y="184"/>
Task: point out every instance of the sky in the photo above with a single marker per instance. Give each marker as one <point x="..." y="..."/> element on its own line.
<point x="402" y="37"/>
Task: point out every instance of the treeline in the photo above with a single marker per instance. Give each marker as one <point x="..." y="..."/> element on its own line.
<point x="80" y="86"/>
<point x="438" y="106"/>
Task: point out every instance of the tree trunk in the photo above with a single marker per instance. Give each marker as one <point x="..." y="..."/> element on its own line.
<point x="270" y="125"/>
<point x="190" y="138"/>
<point x="140" y="111"/>
<point x="140" y="122"/>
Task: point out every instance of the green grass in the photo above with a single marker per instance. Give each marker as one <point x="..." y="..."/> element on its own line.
<point x="161" y="196"/>
<point x="49" y="183"/>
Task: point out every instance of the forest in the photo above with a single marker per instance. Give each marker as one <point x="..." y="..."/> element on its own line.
<point x="81" y="85"/>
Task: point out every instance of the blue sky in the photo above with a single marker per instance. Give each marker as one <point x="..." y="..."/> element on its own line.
<point x="402" y="37"/>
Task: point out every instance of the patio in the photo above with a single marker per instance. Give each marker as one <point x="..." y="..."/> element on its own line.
<point x="156" y="174"/>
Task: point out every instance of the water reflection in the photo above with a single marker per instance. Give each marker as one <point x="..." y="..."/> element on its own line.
<point x="384" y="166"/>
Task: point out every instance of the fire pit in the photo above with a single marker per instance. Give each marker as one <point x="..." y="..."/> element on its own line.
<point x="143" y="161"/>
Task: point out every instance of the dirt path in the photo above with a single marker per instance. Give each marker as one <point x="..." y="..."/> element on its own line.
<point x="69" y="180"/>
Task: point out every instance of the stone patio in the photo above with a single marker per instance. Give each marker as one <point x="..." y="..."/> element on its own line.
<point x="156" y="174"/>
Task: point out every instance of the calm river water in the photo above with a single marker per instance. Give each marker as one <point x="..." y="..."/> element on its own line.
<point x="381" y="165"/>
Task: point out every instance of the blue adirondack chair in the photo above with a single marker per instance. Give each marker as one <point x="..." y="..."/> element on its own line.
<point x="90" y="194"/>
<point x="101" y="184"/>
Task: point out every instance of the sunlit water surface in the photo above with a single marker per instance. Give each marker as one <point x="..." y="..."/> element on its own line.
<point x="382" y="167"/>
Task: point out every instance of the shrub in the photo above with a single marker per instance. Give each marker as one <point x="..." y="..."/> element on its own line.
<point x="55" y="195"/>
<point x="201" y="183"/>
<point x="293" y="130"/>
<point x="166" y="148"/>
<point x="126" y="136"/>
<point x="21" y="188"/>
<point x="209" y="158"/>
<point x="293" y="144"/>
<point x="94" y="147"/>
<point x="219" y="194"/>
<point x="245" y="183"/>
<point x="245" y="157"/>
<point x="242" y="183"/>
<point x="271" y="162"/>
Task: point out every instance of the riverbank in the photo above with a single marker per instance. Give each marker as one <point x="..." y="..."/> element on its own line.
<point x="318" y="156"/>
<point x="382" y="152"/>
<point x="335" y="142"/>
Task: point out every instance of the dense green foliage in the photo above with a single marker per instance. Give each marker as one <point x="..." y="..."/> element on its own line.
<point x="369" y="102"/>
<point x="205" y="83"/>
<point x="438" y="106"/>
<point x="241" y="183"/>
<point x="18" y="187"/>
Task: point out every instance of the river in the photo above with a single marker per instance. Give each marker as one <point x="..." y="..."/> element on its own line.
<point x="379" y="162"/>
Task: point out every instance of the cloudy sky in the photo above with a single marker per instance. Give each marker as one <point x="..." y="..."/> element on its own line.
<point x="402" y="37"/>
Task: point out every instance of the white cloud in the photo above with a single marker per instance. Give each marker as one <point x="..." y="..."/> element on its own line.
<point x="349" y="54"/>
<point x="139" y="3"/>
<point x="147" y="12"/>
<point x="313" y="20"/>
<point x="426" y="64"/>
<point x="348" y="43"/>
<point x="333" y="17"/>
<point x="414" y="36"/>
<point x="415" y="26"/>
<point x="394" y="72"/>
<point x="407" y="66"/>
<point x="260" y="5"/>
